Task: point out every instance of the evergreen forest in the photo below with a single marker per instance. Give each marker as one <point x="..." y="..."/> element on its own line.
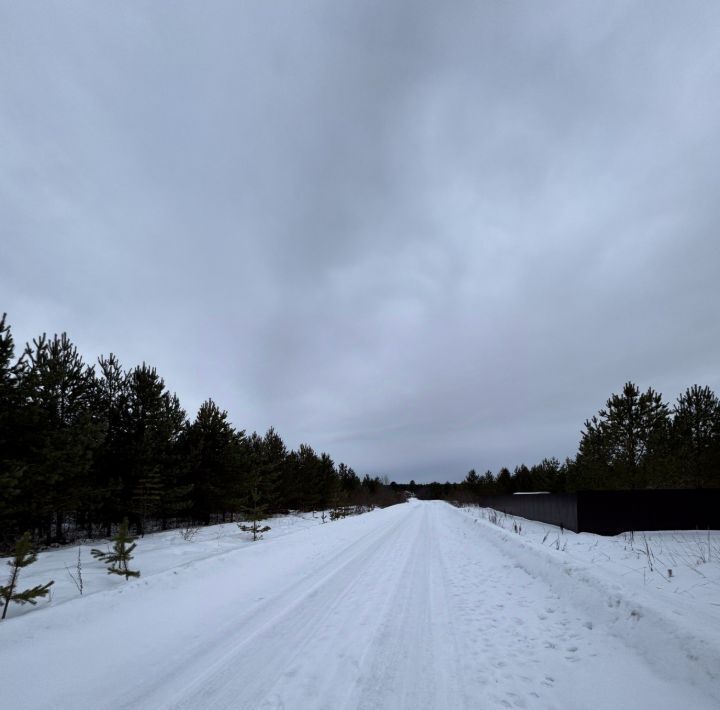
<point x="82" y="447"/>
<point x="636" y="441"/>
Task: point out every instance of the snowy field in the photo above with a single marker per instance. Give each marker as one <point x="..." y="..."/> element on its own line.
<point x="416" y="606"/>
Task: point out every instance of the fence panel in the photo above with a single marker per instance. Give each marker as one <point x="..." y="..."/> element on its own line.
<point x="614" y="512"/>
<point x="553" y="508"/>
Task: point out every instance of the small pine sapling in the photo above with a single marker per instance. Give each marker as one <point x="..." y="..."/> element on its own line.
<point x="117" y="559"/>
<point x="340" y="509"/>
<point x="23" y="557"/>
<point x="256" y="512"/>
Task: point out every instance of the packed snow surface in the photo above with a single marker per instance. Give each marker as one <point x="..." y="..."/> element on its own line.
<point x="416" y="606"/>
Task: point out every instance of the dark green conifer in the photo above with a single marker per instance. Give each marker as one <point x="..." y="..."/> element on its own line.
<point x="270" y="469"/>
<point x="695" y="438"/>
<point x="215" y="462"/>
<point x="23" y="557"/>
<point x="117" y="559"/>
<point x="112" y="459"/>
<point x="152" y="422"/>
<point x="624" y="445"/>
<point x="10" y="424"/>
<point x="256" y="513"/>
<point x="60" y="433"/>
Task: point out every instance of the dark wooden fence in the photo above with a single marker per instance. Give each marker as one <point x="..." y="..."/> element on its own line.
<point x="613" y="512"/>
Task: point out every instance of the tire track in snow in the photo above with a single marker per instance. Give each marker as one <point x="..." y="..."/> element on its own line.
<point x="415" y="656"/>
<point x="266" y="650"/>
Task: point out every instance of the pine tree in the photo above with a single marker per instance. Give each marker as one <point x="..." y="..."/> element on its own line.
<point x="548" y="475"/>
<point x="61" y="431"/>
<point x="142" y="489"/>
<point x="505" y="483"/>
<point x="256" y="512"/>
<point x="624" y="444"/>
<point x="118" y="559"/>
<point x="327" y="483"/>
<point x="153" y="423"/>
<point x="349" y="481"/>
<point x="307" y="465"/>
<point x="522" y="478"/>
<point x="176" y="490"/>
<point x="23" y="557"/>
<point x="111" y="459"/>
<point x="487" y="483"/>
<point x="10" y="421"/>
<point x="215" y="460"/>
<point x="274" y="475"/>
<point x="347" y="487"/>
<point x="696" y="437"/>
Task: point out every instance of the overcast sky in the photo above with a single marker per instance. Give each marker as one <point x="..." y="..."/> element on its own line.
<point x="422" y="236"/>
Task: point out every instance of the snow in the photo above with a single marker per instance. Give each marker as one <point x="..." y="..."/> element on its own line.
<point x="420" y="605"/>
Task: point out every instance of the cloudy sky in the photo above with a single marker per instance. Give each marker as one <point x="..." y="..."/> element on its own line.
<point x="421" y="236"/>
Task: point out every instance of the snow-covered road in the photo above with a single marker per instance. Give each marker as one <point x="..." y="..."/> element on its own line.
<point x="413" y="607"/>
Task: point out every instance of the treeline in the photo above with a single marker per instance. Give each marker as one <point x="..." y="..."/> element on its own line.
<point x="636" y="441"/>
<point x="84" y="446"/>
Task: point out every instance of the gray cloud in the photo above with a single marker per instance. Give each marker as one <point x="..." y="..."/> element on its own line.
<point x="423" y="237"/>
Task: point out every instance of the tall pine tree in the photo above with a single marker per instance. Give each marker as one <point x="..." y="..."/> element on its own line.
<point x="216" y="463"/>
<point x="696" y="438"/>
<point x="11" y="466"/>
<point x="111" y="458"/>
<point x="57" y="391"/>
<point x="625" y="444"/>
<point x="152" y="425"/>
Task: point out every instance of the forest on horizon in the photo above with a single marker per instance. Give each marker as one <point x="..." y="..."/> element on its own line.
<point x="636" y="441"/>
<point x="84" y="446"/>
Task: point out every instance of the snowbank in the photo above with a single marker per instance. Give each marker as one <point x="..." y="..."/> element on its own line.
<point x="659" y="592"/>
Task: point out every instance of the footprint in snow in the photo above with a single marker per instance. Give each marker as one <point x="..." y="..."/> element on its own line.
<point x="517" y="701"/>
